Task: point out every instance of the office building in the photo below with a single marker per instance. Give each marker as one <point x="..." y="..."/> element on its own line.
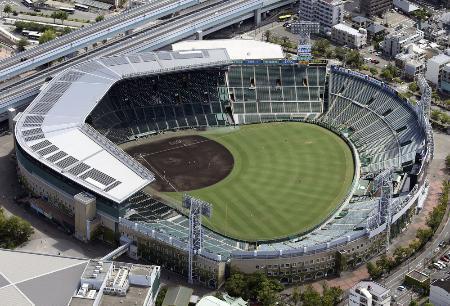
<point x="327" y="12"/>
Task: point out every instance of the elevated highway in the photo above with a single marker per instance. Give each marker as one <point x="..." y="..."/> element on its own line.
<point x="205" y="20"/>
<point x="83" y="37"/>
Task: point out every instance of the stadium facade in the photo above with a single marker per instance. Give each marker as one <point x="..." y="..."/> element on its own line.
<point x="68" y="156"/>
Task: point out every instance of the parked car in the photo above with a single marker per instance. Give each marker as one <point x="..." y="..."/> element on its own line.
<point x="375" y="61"/>
<point x="437" y="266"/>
<point x="442" y="264"/>
<point x="401" y="288"/>
<point x="444" y="259"/>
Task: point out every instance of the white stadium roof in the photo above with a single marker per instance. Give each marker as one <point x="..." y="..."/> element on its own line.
<point x="53" y="129"/>
<point x="238" y="49"/>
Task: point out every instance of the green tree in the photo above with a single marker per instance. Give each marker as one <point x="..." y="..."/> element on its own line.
<point x="424" y="234"/>
<point x="14" y="231"/>
<point x="311" y="297"/>
<point x="413" y="303"/>
<point x="63" y="16"/>
<point x="374" y="271"/>
<point x="447" y="162"/>
<point x="373" y="71"/>
<point x="331" y="295"/>
<point x="47" y="36"/>
<point x="267" y="294"/>
<point x="160" y="297"/>
<point x="22" y="43"/>
<point x="340" y="53"/>
<point x="413" y="86"/>
<point x="54" y="15"/>
<point x="99" y="18"/>
<point x="267" y="35"/>
<point x="236" y="285"/>
<point x="7" y="9"/>
<point x="296" y="296"/>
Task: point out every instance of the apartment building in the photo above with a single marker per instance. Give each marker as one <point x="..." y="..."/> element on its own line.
<point x="327" y="12"/>
<point x="346" y="35"/>
<point x="397" y="41"/>
<point x="369" y="294"/>
<point x="375" y="7"/>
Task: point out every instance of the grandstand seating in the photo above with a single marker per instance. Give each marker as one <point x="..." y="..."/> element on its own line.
<point x="384" y="128"/>
<point x="266" y="92"/>
<point x="381" y="125"/>
<point x="150" y="104"/>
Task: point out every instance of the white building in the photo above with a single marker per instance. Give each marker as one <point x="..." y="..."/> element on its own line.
<point x="345" y="35"/>
<point x="369" y="294"/>
<point x="435" y="66"/>
<point x="405" y="6"/>
<point x="397" y="41"/>
<point x="440" y="292"/>
<point x="413" y="68"/>
<point x="327" y="12"/>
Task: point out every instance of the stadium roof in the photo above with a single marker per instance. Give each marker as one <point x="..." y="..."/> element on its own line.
<point x="237" y="49"/>
<point x="53" y="129"/>
<point x="38" y="279"/>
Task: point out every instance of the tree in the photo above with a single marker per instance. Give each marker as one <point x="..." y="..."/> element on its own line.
<point x="63" y="16"/>
<point x="14" y="231"/>
<point x="374" y="271"/>
<point x="413" y="303"/>
<point x="447" y="162"/>
<point x="413" y="86"/>
<point x="267" y="35"/>
<point x="311" y="297"/>
<point x="22" y="43"/>
<point x="340" y="53"/>
<point x="7" y="9"/>
<point x="236" y="285"/>
<point x="296" y="296"/>
<point x="160" y="297"/>
<point x="331" y="295"/>
<point x="47" y="36"/>
<point x="373" y="71"/>
<point x="424" y="234"/>
<point x="267" y="295"/>
<point x="99" y="18"/>
<point x="285" y="42"/>
<point x="321" y="47"/>
<point x="54" y="15"/>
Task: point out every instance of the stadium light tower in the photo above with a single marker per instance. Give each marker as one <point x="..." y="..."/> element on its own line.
<point x="304" y="30"/>
<point x="197" y="209"/>
<point x="383" y="181"/>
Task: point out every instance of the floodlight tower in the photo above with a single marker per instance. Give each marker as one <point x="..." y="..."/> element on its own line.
<point x="197" y="209"/>
<point x="304" y="30"/>
<point x="383" y="181"/>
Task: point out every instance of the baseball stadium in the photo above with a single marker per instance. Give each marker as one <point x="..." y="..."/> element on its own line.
<point x="308" y="169"/>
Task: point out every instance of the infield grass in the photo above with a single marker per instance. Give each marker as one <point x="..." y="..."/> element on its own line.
<point x="287" y="178"/>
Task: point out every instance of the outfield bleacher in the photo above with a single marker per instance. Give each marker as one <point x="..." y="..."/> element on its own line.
<point x="267" y="92"/>
<point x="384" y="128"/>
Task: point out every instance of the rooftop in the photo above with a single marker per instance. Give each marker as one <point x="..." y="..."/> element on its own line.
<point x="53" y="129"/>
<point x="348" y="29"/>
<point x="28" y="278"/>
<point x="419" y="276"/>
<point x="373" y="287"/>
<point x="237" y="49"/>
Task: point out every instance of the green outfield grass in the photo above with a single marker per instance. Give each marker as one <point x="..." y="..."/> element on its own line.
<point x="287" y="178"/>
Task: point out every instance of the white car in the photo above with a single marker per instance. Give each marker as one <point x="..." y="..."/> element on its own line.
<point x="442" y="264"/>
<point x="401" y="288"/>
<point x="437" y="266"/>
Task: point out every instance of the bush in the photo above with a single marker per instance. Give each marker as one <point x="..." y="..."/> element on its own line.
<point x="13" y="231"/>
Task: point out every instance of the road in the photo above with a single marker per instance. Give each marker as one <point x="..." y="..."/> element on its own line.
<point x="26" y="60"/>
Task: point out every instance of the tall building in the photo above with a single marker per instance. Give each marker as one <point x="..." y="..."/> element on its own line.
<point x="440" y="292"/>
<point x="327" y="12"/>
<point x="375" y="7"/>
<point x="369" y="294"/>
